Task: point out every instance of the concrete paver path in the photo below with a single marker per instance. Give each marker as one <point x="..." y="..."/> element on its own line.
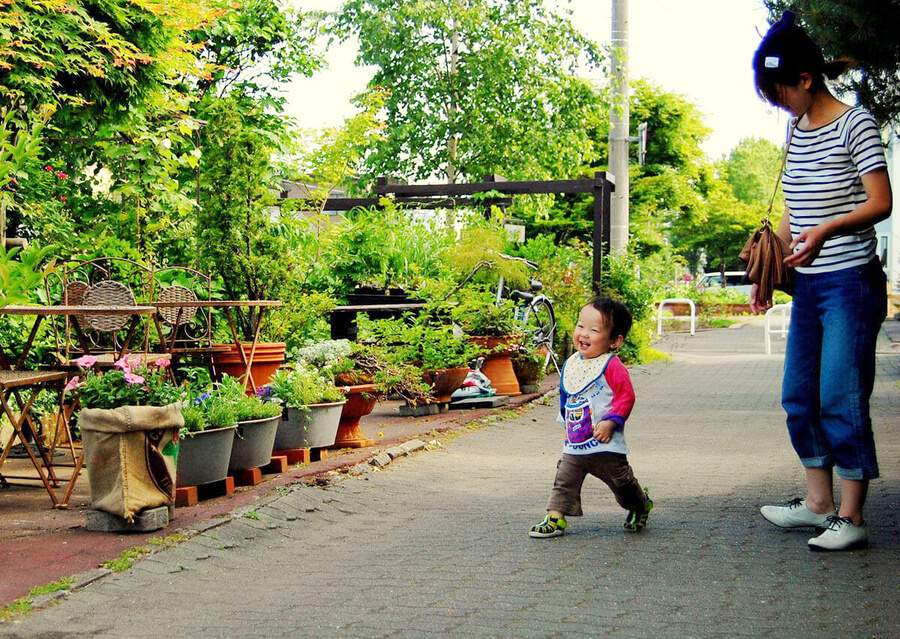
<point x="437" y="545"/>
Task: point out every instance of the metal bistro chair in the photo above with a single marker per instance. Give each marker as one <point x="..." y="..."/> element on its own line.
<point x="185" y="330"/>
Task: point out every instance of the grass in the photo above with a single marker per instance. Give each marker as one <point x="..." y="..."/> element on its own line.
<point x="125" y="560"/>
<point x="23" y="606"/>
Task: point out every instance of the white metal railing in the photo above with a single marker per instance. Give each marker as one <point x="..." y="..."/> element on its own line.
<point x="674" y="318"/>
<point x="783" y="310"/>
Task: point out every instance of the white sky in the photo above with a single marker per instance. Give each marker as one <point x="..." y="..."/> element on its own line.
<point x="701" y="49"/>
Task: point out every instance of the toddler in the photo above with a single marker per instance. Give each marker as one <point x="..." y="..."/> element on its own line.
<point x="596" y="397"/>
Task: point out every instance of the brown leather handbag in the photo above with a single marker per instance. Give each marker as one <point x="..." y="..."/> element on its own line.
<point x="764" y="252"/>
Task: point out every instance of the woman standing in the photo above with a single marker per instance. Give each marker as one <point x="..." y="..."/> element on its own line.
<point x="836" y="188"/>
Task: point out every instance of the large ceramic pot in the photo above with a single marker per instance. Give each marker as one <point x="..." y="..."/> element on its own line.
<point x="497" y="364"/>
<point x="360" y="402"/>
<point x="445" y="382"/>
<point x="267" y="358"/>
<point x="253" y="443"/>
<point x="313" y="427"/>
<point x="204" y="456"/>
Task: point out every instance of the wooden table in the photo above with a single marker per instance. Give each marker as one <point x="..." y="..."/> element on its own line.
<point x="226" y="306"/>
<point x="14" y="378"/>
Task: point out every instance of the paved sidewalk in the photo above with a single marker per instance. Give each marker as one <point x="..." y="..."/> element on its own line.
<point x="437" y="545"/>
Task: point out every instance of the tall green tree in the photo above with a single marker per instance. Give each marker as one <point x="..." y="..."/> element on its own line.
<point x="865" y="31"/>
<point x="475" y="87"/>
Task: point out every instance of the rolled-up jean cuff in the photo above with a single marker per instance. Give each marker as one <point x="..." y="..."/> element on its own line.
<point x="817" y="462"/>
<point x="857" y="474"/>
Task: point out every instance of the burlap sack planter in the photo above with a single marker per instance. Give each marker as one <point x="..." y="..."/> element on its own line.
<point x="131" y="454"/>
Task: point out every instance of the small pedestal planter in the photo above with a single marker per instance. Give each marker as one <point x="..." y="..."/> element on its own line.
<point x="253" y="444"/>
<point x="203" y="457"/>
<point x="360" y="402"/>
<point x="497" y="364"/>
<point x="315" y="427"/>
<point x="445" y="382"/>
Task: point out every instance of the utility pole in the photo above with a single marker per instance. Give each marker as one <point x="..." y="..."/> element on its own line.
<point x="618" y="128"/>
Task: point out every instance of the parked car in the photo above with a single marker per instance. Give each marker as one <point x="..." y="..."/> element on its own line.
<point x="733" y="280"/>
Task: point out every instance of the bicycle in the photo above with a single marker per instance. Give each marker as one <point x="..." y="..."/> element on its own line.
<point x="534" y="311"/>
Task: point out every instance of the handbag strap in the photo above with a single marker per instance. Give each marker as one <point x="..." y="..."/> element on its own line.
<point x="784" y="156"/>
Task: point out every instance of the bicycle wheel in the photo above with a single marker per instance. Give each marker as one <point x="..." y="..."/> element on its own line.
<point x="540" y="321"/>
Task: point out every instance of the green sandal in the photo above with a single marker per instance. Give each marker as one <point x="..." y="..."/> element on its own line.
<point x="549" y="527"/>
<point x="637" y="519"/>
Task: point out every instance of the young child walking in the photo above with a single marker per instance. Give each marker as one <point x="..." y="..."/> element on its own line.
<point x="595" y="398"/>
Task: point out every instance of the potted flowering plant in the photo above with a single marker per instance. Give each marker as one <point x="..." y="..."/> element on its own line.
<point x="312" y="406"/>
<point x="257" y="424"/>
<point x="129" y="419"/>
<point x="207" y="436"/>
<point x="365" y="374"/>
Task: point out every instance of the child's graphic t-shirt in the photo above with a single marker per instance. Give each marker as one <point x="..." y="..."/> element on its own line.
<point x="590" y="391"/>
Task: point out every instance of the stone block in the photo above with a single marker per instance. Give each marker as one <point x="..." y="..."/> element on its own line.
<point x="146" y="521"/>
<point x="413" y="445"/>
<point x="419" y="411"/>
<point x="493" y="401"/>
<point x="380" y="460"/>
<point x="395" y="452"/>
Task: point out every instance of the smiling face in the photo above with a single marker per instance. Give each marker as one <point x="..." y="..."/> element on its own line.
<point x="592" y="334"/>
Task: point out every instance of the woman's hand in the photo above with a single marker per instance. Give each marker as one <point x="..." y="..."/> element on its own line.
<point x="807" y="245"/>
<point x="757" y="306"/>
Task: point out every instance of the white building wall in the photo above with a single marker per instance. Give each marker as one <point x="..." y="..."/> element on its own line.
<point x="889" y="230"/>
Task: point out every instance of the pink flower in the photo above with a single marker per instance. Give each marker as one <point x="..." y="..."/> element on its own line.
<point x="122" y="365"/>
<point x="74" y="383"/>
<point x="61" y="175"/>
<point x="13" y="180"/>
<point x="135" y="361"/>
<point x="48" y="168"/>
<point x="86" y="361"/>
<point x="163" y="362"/>
<point x="131" y="378"/>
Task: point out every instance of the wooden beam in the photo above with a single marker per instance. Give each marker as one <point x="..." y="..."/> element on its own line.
<point x="506" y="188"/>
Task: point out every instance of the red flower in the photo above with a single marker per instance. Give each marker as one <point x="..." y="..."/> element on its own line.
<point x="62" y="198"/>
<point x="61" y="175"/>
<point x="48" y="168"/>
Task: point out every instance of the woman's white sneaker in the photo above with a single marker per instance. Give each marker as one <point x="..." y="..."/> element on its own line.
<point x="841" y="534"/>
<point x="795" y="514"/>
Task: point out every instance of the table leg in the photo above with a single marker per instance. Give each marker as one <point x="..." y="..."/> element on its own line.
<point x="248" y="376"/>
<point x="17" y="421"/>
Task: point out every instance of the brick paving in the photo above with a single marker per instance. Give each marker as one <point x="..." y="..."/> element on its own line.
<point x="436" y="543"/>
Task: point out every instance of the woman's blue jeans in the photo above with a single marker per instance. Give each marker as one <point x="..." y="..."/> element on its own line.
<point x="829" y="368"/>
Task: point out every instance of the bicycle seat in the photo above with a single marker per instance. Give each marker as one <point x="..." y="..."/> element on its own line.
<point x="536" y="286"/>
<point x="522" y="296"/>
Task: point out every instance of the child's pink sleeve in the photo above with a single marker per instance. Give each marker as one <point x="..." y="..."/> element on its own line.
<point x="623" y="392"/>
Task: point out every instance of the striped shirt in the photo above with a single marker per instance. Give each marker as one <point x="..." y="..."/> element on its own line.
<point x="822" y="181"/>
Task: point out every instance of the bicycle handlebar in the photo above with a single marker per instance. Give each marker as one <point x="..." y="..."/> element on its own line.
<point x="529" y="263"/>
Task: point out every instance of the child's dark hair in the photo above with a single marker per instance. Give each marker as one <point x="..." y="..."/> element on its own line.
<point x="616" y="313"/>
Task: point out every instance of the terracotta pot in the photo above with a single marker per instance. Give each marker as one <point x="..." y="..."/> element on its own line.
<point x="360" y="402"/>
<point x="445" y="381"/>
<point x="267" y="358"/>
<point x="497" y="364"/>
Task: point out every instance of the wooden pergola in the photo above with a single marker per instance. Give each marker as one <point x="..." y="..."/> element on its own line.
<point x="435" y="196"/>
